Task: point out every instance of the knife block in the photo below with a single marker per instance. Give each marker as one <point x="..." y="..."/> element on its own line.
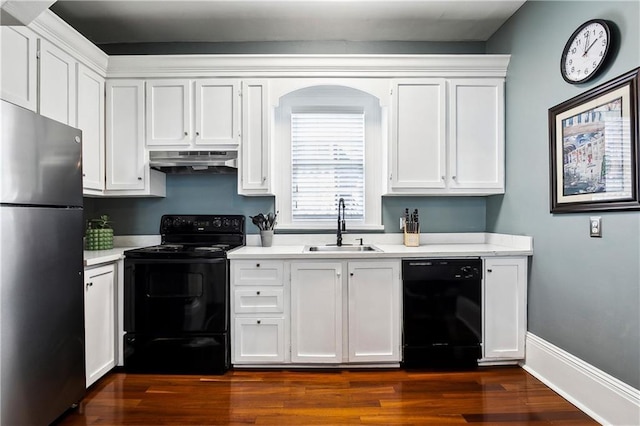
<point x="411" y="239"/>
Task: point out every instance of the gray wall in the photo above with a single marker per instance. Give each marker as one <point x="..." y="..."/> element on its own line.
<point x="218" y="194"/>
<point x="584" y="293"/>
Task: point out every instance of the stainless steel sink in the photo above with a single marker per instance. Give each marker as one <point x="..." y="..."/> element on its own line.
<point x="345" y="248"/>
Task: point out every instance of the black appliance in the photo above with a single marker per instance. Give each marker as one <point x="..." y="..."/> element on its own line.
<point x="176" y="296"/>
<point x="442" y="313"/>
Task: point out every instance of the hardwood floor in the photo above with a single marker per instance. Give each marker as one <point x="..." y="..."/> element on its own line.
<point x="499" y="396"/>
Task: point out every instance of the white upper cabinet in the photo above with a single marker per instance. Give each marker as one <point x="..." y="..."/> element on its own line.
<point x="128" y="172"/>
<point x="90" y="119"/>
<point x="57" y="84"/>
<point x="168" y="112"/>
<point x="19" y="66"/>
<point x="476" y="135"/>
<point x="418" y="135"/>
<point x="190" y="114"/>
<point x="125" y="150"/>
<point x="447" y="137"/>
<point x="217" y="112"/>
<point x="253" y="173"/>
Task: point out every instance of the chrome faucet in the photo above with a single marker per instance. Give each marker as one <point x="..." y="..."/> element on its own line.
<point x="342" y="227"/>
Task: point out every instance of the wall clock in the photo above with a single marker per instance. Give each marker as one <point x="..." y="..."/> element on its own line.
<point x="586" y="51"/>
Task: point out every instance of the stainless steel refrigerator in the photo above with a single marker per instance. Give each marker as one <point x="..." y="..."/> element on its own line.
<point x="42" y="368"/>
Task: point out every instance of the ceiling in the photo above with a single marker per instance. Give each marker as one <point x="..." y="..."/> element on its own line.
<point x="148" y="21"/>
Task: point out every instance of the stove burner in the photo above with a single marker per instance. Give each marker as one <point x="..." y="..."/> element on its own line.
<point x="208" y="249"/>
<point x="195" y="237"/>
<point x="165" y="248"/>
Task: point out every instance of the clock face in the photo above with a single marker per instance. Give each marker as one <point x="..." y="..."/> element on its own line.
<point x="585" y="52"/>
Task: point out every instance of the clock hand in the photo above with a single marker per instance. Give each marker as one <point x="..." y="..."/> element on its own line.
<point x="587" y="51"/>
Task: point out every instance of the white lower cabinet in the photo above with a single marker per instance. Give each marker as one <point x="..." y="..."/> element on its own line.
<point x="316" y="312"/>
<point x="258" y="312"/>
<point x="505" y="308"/>
<point x="100" y="322"/>
<point x="321" y="315"/>
<point x="352" y="319"/>
<point x="374" y="311"/>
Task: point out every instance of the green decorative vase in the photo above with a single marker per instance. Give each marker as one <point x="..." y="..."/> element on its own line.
<point x="99" y="239"/>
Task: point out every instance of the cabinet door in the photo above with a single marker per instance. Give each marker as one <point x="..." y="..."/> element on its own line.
<point x="57" y="84"/>
<point x="254" y="152"/>
<point x="374" y="311"/>
<point x="258" y="340"/>
<point x="168" y="112"/>
<point x="217" y="112"/>
<point x="90" y="119"/>
<point x="418" y="135"/>
<point x="100" y="321"/>
<point x="476" y="135"/>
<point x="19" y="66"/>
<point x="125" y="135"/>
<point x="316" y="312"/>
<point x="505" y="316"/>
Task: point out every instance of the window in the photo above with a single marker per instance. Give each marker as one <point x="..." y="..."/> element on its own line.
<point x="327" y="163"/>
<point x="329" y="144"/>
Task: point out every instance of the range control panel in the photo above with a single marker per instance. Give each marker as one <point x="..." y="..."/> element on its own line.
<point x="202" y="224"/>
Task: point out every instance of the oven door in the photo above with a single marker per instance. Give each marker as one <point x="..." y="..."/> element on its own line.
<point x="171" y="297"/>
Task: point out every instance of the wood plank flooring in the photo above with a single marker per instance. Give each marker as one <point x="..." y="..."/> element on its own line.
<point x="497" y="396"/>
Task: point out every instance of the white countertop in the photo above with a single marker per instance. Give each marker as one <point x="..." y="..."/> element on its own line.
<point x="432" y="245"/>
<point x="97" y="257"/>
<point x="291" y="246"/>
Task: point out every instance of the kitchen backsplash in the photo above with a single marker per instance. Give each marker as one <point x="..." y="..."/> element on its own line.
<point x="217" y="194"/>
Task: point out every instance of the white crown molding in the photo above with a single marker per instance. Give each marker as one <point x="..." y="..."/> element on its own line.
<point x="192" y="66"/>
<point x="58" y="32"/>
<point x="608" y="400"/>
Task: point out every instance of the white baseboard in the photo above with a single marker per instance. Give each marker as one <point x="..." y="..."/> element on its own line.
<point x="606" y="399"/>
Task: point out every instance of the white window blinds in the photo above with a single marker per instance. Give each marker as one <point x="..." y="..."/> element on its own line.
<point x="327" y="155"/>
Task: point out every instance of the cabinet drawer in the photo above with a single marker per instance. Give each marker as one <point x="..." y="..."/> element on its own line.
<point x="270" y="300"/>
<point x="258" y="340"/>
<point x="257" y="273"/>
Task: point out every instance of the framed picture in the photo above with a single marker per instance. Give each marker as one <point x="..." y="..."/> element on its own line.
<point x="594" y="148"/>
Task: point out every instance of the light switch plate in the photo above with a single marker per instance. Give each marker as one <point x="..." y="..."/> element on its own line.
<point x="595" y="226"/>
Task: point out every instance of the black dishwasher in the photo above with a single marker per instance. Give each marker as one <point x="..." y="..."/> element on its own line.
<point x="442" y="313"/>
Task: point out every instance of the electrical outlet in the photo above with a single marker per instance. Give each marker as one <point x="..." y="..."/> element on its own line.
<point x="595" y="226"/>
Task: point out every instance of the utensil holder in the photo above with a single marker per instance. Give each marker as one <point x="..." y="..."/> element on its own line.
<point x="411" y="239"/>
<point x="266" y="237"/>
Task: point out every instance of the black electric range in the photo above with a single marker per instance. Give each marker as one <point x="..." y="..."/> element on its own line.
<point x="176" y="296"/>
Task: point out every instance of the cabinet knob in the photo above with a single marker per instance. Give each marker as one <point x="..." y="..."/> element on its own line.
<point x="258" y="322"/>
<point x="257" y="265"/>
<point x="258" y="293"/>
<point x="442" y="177"/>
<point x="453" y="177"/>
<point x="83" y="175"/>
<point x="351" y="274"/>
<point x="89" y="285"/>
<point x="186" y="133"/>
<point x="197" y="133"/>
<point x="489" y="270"/>
<point x="139" y="178"/>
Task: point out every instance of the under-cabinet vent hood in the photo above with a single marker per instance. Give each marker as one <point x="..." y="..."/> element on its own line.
<point x="189" y="162"/>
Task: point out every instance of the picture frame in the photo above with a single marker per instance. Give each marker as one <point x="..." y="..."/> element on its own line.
<point x="594" y="155"/>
